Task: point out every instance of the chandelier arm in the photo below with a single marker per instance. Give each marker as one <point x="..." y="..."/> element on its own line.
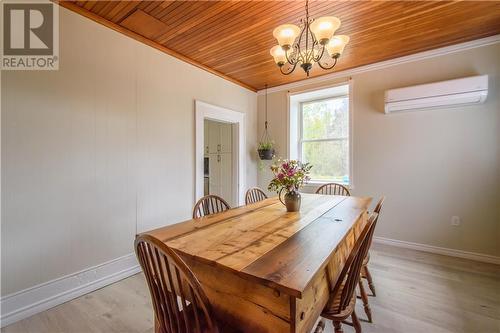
<point x="300" y="39"/>
<point x="317" y="59"/>
<point x="328" y="67"/>
<point x="307" y="35"/>
<point x="313" y="37"/>
<point x="293" y="61"/>
<point x="290" y="71"/>
<point x="301" y="57"/>
<point x="310" y="53"/>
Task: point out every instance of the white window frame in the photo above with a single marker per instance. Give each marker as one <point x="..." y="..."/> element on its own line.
<point x="294" y="128"/>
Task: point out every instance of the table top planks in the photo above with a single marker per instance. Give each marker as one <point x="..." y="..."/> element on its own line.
<point x="264" y="243"/>
<point x="293" y="264"/>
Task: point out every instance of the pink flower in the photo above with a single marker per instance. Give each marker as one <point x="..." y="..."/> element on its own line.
<point x="291" y="173"/>
<point x="281" y="176"/>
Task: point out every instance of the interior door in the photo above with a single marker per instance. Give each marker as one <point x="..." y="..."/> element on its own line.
<point x="205" y="137"/>
<point x="226" y="177"/>
<point x="226" y="136"/>
<point x="214" y="184"/>
<point x="213" y="137"/>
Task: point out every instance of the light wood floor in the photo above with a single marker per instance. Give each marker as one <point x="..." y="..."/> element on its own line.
<point x="416" y="292"/>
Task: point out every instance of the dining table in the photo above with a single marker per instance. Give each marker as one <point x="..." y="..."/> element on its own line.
<point x="264" y="269"/>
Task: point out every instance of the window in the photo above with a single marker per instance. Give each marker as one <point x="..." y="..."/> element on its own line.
<point x="320" y="133"/>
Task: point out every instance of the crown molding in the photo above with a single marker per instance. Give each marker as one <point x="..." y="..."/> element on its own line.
<point x="387" y="63"/>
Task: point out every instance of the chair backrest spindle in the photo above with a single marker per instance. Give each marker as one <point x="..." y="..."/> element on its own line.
<point x="254" y="195"/>
<point x="333" y="189"/>
<point x="209" y="204"/>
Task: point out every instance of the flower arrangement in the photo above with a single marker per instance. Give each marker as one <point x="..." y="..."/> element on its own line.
<point x="289" y="176"/>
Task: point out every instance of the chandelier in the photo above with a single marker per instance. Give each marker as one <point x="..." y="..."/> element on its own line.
<point x="314" y="37"/>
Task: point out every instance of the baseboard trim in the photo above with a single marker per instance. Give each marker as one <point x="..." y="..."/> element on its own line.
<point x="28" y="302"/>
<point x="439" y="250"/>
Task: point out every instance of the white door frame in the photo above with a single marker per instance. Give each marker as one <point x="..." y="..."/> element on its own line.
<point x="212" y="112"/>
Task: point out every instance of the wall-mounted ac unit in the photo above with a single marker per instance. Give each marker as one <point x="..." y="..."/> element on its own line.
<point x="464" y="91"/>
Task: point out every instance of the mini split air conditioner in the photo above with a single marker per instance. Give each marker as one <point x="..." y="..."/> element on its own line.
<point x="464" y="91"/>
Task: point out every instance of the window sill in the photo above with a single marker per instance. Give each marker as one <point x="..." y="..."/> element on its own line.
<point x="317" y="183"/>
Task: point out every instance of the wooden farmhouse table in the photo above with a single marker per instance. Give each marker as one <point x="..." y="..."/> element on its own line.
<point x="266" y="270"/>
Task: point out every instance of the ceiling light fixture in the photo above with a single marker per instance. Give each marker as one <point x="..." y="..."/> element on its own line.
<point x="314" y="38"/>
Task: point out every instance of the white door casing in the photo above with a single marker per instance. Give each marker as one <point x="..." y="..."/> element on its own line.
<point x="211" y="112"/>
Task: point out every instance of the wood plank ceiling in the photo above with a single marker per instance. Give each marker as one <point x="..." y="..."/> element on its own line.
<point x="232" y="38"/>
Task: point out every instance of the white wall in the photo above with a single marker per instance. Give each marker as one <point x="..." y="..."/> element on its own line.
<point x="99" y="148"/>
<point x="430" y="164"/>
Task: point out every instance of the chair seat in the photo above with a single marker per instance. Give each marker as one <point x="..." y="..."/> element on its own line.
<point x="332" y="309"/>
<point x="228" y="329"/>
<point x="222" y="327"/>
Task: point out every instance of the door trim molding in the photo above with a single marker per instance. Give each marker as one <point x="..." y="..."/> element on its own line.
<point x="208" y="111"/>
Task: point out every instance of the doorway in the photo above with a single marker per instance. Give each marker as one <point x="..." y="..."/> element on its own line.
<point x="218" y="160"/>
<point x="220" y="142"/>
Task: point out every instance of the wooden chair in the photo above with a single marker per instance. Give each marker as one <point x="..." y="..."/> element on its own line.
<point x="333" y="189"/>
<point x="253" y="195"/>
<point x="179" y="302"/>
<point x="342" y="301"/>
<point x="209" y="204"/>
<point x="365" y="272"/>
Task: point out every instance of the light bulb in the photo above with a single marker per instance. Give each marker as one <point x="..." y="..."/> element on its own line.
<point x="279" y="55"/>
<point x="336" y="45"/>
<point x="286" y="34"/>
<point x="323" y="28"/>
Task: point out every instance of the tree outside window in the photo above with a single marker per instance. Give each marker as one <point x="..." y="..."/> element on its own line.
<point x="324" y="138"/>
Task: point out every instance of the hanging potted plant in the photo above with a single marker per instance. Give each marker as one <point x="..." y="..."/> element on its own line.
<point x="266" y="150"/>
<point x="266" y="145"/>
<point x="289" y="177"/>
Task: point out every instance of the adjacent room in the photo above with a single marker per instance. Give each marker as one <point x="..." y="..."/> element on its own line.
<point x="299" y="166"/>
